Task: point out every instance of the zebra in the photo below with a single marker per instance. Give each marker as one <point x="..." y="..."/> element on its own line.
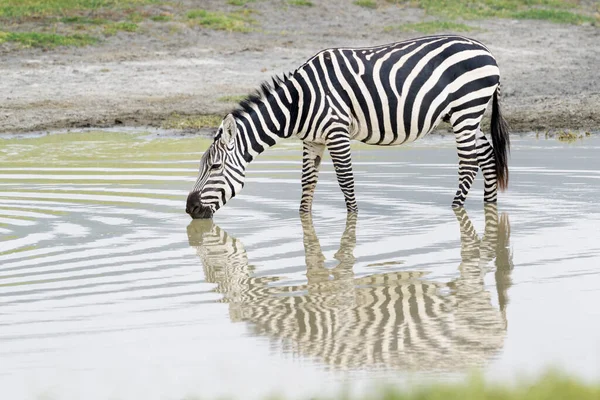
<point x="395" y="320"/>
<point x="385" y="95"/>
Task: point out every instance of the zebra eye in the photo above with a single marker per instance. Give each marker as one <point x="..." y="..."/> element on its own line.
<point x="215" y="166"/>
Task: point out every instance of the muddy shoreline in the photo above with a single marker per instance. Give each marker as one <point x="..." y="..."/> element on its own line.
<point x="550" y="75"/>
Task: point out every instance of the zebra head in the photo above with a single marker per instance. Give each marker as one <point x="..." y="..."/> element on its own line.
<point x="221" y="175"/>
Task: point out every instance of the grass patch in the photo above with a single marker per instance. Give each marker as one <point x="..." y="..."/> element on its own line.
<point x="301" y="3"/>
<point x="549" y="387"/>
<point x="431" y="27"/>
<point x="112" y="29"/>
<point x="365" y="3"/>
<point x="177" y="121"/>
<point x="549" y="10"/>
<point x="109" y="15"/>
<point x="46" y="40"/>
<point x="569" y="136"/>
<point x="160" y="18"/>
<point x="232" y="22"/>
<point x="231" y="99"/>
<point x="83" y="20"/>
<point x="557" y="16"/>
<point x="564" y="136"/>
<point x="135" y="16"/>
<point x="21" y="9"/>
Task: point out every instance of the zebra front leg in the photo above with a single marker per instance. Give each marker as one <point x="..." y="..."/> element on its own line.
<point x="466" y="146"/>
<point x="312" y="155"/>
<point x="338" y="144"/>
<point x="487" y="163"/>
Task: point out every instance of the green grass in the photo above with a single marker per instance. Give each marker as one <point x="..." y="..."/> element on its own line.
<point x="60" y="8"/>
<point x="557" y="16"/>
<point x="160" y="18"/>
<point x="111" y="16"/>
<point x="365" y="3"/>
<point x="232" y="22"/>
<point x="134" y="16"/>
<point x="550" y="10"/>
<point x="46" y="40"/>
<point x="111" y="29"/>
<point x="431" y="27"/>
<point x="83" y="20"/>
<point x="177" y="121"/>
<point x="301" y="3"/>
<point x="549" y="387"/>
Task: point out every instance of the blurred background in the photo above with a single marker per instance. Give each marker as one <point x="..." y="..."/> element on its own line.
<point x="184" y="64"/>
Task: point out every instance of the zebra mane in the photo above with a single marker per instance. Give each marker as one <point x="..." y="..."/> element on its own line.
<point x="266" y="88"/>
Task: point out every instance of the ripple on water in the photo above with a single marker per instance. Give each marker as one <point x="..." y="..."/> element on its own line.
<point x="96" y="250"/>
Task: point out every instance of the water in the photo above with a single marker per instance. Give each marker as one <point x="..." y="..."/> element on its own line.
<point x="108" y="290"/>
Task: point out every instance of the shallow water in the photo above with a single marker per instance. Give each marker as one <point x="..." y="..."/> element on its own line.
<point x="109" y="290"/>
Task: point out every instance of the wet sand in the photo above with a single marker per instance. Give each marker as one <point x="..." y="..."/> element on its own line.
<point x="550" y="76"/>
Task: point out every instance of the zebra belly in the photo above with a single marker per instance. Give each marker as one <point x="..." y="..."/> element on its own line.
<point x="388" y="141"/>
<point x="387" y="138"/>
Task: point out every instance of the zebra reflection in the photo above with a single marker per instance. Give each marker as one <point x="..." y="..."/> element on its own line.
<point x="389" y="320"/>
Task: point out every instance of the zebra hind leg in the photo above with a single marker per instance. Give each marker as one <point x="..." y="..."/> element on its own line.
<point x="487" y="163"/>
<point x="312" y="155"/>
<point x="468" y="166"/>
<point x="338" y="144"/>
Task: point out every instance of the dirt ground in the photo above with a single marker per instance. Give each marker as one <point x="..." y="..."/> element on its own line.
<point x="550" y="72"/>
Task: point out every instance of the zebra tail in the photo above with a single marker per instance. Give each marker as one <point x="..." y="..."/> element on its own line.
<point x="500" y="141"/>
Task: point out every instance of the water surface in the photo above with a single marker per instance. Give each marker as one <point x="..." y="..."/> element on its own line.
<point x="110" y="291"/>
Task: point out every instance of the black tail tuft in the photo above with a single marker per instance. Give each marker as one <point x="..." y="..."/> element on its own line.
<point x="501" y="142"/>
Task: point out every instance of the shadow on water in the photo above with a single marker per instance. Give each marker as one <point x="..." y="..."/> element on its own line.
<point x="389" y="320"/>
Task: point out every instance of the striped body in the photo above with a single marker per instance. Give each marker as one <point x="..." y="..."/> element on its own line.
<point x="385" y="95"/>
<point x="396" y="319"/>
<point x="396" y="93"/>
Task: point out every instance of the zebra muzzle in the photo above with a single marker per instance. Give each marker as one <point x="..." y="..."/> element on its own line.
<point x="195" y="209"/>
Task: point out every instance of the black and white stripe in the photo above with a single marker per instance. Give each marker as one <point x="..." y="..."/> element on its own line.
<point x="396" y="319"/>
<point x="385" y="95"/>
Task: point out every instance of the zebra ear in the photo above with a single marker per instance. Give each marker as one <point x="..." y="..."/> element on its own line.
<point x="229" y="130"/>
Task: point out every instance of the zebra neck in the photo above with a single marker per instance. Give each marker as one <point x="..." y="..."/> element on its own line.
<point x="267" y="119"/>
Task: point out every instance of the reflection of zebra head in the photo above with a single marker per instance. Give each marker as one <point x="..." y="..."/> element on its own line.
<point x="221" y="175"/>
<point x="396" y="319"/>
<point x="223" y="258"/>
